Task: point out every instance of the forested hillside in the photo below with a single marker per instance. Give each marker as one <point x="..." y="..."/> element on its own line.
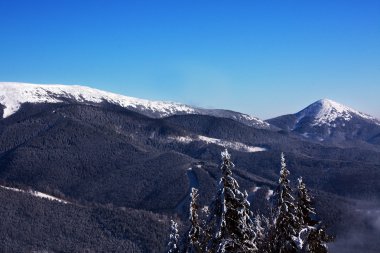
<point x="108" y="156"/>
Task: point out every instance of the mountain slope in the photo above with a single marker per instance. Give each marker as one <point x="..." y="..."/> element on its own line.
<point x="327" y="120"/>
<point x="40" y="225"/>
<point x="13" y="95"/>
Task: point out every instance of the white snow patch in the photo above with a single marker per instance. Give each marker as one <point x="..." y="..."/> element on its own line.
<point x="183" y="139"/>
<point x="11" y="189"/>
<point x="299" y="240"/>
<point x="258" y="121"/>
<point x="256" y="188"/>
<point x="230" y="144"/>
<point x="269" y="194"/>
<point x="46" y="196"/>
<point x="227" y="144"/>
<point x="36" y="194"/>
<point x="205" y="209"/>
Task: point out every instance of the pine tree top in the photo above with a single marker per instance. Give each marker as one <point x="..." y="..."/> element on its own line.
<point x="284" y="172"/>
<point x="230" y="226"/>
<point x="225" y="155"/>
<point x="193" y="204"/>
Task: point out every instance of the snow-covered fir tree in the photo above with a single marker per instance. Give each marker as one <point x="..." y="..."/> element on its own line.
<point x="229" y="226"/>
<point x="305" y="211"/>
<point x="304" y="203"/>
<point x="317" y="240"/>
<point x="286" y="223"/>
<point x="195" y="245"/>
<point x="261" y="227"/>
<point x="173" y="246"/>
<point x="311" y="236"/>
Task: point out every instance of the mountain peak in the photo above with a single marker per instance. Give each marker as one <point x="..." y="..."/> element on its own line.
<point x="328" y="103"/>
<point x="327" y="112"/>
<point x="330" y="121"/>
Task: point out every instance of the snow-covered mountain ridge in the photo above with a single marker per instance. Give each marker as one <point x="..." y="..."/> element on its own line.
<point x="327" y="112"/>
<point x="13" y="95"/>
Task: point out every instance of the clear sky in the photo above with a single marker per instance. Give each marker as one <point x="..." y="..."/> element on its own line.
<point x="265" y="58"/>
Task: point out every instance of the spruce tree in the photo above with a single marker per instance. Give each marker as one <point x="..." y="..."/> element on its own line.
<point x="304" y="213"/>
<point x="229" y="227"/>
<point x="260" y="230"/>
<point x="317" y="240"/>
<point x="195" y="230"/>
<point x="312" y="236"/>
<point x="173" y="246"/>
<point x="304" y="203"/>
<point x="286" y="222"/>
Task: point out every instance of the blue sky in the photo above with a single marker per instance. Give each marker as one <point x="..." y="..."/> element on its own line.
<point x="264" y="58"/>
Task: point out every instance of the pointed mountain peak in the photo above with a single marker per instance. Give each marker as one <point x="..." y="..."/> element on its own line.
<point x="327" y="112"/>
<point x="328" y="103"/>
<point x="326" y="100"/>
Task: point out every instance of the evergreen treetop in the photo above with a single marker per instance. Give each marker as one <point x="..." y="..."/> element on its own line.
<point x="173" y="238"/>
<point x="286" y="222"/>
<point x="195" y="229"/>
<point x="230" y="227"/>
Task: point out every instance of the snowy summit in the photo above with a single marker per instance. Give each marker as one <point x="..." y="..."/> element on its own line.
<point x="328" y="112"/>
<point x="330" y="121"/>
<point x="13" y="95"/>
